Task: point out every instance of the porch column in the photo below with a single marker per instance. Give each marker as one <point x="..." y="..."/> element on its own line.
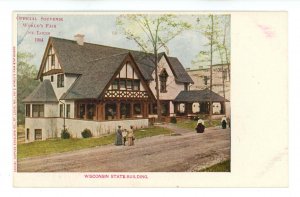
<point x="85" y="111"/>
<point x="131" y="110"/>
<point x="118" y="111"/>
<point x="103" y="111"/>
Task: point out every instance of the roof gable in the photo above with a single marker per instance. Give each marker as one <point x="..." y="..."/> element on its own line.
<point x="198" y="96"/>
<point x="98" y="76"/>
<point x="43" y="93"/>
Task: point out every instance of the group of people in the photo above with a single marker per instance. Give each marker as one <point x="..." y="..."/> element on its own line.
<point x="200" y="124"/>
<point x="123" y="135"/>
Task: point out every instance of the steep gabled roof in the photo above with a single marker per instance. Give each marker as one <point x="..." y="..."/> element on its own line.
<point x="198" y="96"/>
<point x="95" y="77"/>
<point x="180" y="72"/>
<point x="73" y="58"/>
<point x="43" y="93"/>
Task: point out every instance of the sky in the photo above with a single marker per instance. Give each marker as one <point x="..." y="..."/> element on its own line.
<point x="98" y="29"/>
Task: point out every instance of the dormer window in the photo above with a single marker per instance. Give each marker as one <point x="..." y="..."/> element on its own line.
<point x="163" y="80"/>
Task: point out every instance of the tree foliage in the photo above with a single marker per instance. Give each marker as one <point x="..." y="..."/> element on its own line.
<point x="26" y="74"/>
<point x="151" y="33"/>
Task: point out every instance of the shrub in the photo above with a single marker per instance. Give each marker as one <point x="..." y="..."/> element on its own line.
<point x="65" y="134"/>
<point x="173" y="120"/>
<point x="86" y="133"/>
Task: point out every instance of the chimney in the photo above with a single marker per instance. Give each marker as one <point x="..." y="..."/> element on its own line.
<point x="79" y="38"/>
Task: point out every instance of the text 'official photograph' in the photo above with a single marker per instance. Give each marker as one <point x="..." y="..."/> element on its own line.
<point x="123" y="92"/>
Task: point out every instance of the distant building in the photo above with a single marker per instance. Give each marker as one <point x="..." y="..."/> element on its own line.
<point x="201" y="78"/>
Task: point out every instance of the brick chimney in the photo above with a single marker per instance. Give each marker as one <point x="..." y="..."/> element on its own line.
<point x="79" y="38"/>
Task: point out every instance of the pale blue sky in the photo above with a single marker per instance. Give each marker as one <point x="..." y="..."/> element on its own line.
<point x="100" y="29"/>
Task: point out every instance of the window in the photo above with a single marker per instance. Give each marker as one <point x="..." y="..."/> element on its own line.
<point x="129" y="84"/>
<point x="163" y="80"/>
<point x="205" y="80"/>
<point x="60" y="80"/>
<point x="68" y="110"/>
<point x="125" y="110"/>
<point x="110" y="111"/>
<point x="81" y="111"/>
<point x="52" y="60"/>
<point x="52" y="78"/>
<point x="225" y="74"/>
<point x="136" y="84"/>
<point x="61" y="110"/>
<point x="122" y="84"/>
<point x="186" y="87"/>
<point x="91" y="108"/>
<point x="27" y="109"/>
<point x="27" y="134"/>
<point x="38" y="134"/>
<point x="137" y="108"/>
<point x="37" y="111"/>
<point x="115" y="85"/>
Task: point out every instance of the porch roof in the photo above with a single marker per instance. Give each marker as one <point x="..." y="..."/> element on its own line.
<point x="198" y="96"/>
<point x="43" y="93"/>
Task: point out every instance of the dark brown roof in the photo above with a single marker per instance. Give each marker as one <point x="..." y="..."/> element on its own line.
<point x="95" y="77"/>
<point x="181" y="74"/>
<point x="198" y="96"/>
<point x="73" y="58"/>
<point x="43" y="93"/>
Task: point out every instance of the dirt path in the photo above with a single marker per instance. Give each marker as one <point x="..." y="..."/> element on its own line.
<point x="181" y="153"/>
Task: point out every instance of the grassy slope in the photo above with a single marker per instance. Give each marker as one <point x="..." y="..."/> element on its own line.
<point x="47" y="147"/>
<point x="220" y="167"/>
<point x="191" y="124"/>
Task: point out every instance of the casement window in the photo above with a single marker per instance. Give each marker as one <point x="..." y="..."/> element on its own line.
<point x="60" y="80"/>
<point x="91" y="109"/>
<point x="27" y="110"/>
<point x="68" y="111"/>
<point x="205" y="80"/>
<point x="81" y="111"/>
<point x="136" y="84"/>
<point x="38" y="135"/>
<point x="137" y="108"/>
<point x="61" y="110"/>
<point x="115" y="85"/>
<point x="186" y="87"/>
<point x="52" y="60"/>
<point x="37" y="110"/>
<point x="163" y="81"/>
<point x="122" y="84"/>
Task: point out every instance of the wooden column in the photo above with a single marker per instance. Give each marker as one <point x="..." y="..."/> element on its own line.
<point x="118" y="111"/>
<point x="103" y="111"/>
<point x="131" y="110"/>
<point x="85" y="111"/>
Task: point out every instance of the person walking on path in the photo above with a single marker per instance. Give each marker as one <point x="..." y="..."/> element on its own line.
<point x="130" y="136"/>
<point x="119" y="136"/>
<point x="200" y="126"/>
<point x="124" y="135"/>
<point x="224" y="122"/>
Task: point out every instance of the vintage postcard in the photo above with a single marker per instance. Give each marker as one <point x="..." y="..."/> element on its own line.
<point x="158" y="99"/>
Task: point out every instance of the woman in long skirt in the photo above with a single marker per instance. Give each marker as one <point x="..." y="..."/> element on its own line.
<point x="119" y="137"/>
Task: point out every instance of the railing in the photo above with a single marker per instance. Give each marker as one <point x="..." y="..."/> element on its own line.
<point x="126" y="94"/>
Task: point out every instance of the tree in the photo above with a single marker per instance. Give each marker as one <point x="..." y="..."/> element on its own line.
<point x="26" y="83"/>
<point x="214" y="29"/>
<point x="151" y="33"/>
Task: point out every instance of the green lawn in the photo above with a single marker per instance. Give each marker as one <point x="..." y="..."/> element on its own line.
<point x="191" y="124"/>
<point x="220" y="167"/>
<point x="58" y="145"/>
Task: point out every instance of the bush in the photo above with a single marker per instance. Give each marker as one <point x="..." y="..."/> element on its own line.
<point x="86" y="133"/>
<point x="65" y="134"/>
<point x="173" y="120"/>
